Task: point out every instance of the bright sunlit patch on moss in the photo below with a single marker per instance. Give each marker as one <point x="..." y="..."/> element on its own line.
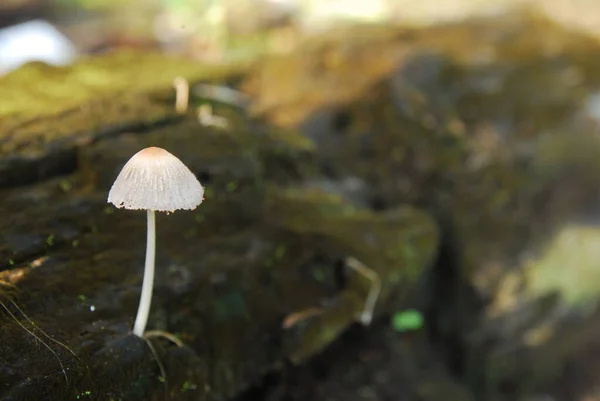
<point x="570" y="265"/>
<point x="35" y="92"/>
<point x="13" y="275"/>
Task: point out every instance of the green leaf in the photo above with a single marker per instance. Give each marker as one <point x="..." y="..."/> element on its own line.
<point x="407" y="320"/>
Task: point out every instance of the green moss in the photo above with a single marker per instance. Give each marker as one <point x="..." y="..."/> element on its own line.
<point x="84" y="394"/>
<point x="566" y="265"/>
<point x="38" y="90"/>
<point x="229" y="305"/>
<point x="188" y="386"/>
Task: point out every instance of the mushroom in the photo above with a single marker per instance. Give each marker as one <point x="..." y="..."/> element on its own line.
<point x="154" y="180"/>
<point x="182" y="94"/>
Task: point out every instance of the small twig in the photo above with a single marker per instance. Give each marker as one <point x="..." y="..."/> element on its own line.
<point x="222" y="94"/>
<point x="367" y="314"/>
<point x="207" y="118"/>
<point x="166" y="335"/>
<point x="182" y="94"/>
<point x="292" y="319"/>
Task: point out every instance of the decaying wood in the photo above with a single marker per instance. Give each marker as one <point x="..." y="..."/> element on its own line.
<point x="229" y="272"/>
<point x="497" y="151"/>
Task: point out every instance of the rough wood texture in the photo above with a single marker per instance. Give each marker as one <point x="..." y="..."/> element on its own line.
<point x="228" y="273"/>
<point x="493" y="126"/>
<point x="494" y="148"/>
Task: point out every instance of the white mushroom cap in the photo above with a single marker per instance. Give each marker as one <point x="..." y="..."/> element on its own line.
<point x="154" y="179"/>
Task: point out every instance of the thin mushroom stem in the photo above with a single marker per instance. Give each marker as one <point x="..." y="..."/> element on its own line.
<point x="146" y="298"/>
<point x="182" y="94"/>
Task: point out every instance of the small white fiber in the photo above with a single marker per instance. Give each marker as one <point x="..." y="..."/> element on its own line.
<point x="154" y="179"/>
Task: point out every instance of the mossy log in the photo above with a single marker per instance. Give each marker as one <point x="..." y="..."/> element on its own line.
<point x="493" y="126"/>
<point x="401" y="131"/>
<point x="265" y="244"/>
